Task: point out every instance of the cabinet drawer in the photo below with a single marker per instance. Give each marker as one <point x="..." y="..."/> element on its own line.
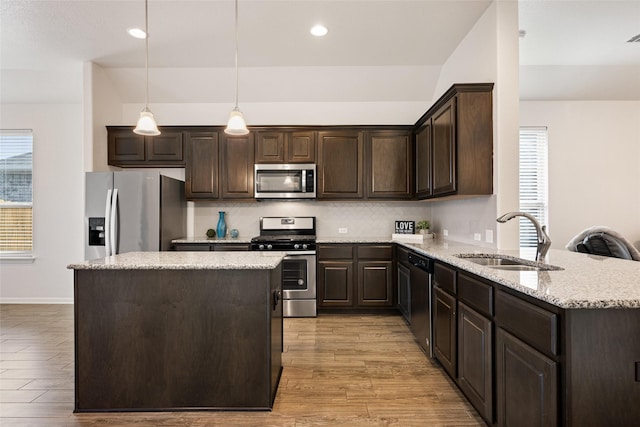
<point x="476" y="294"/>
<point x="335" y="252"/>
<point x="230" y="247"/>
<point x="191" y="247"/>
<point x="384" y="252"/>
<point x="532" y="324"/>
<point x="445" y="278"/>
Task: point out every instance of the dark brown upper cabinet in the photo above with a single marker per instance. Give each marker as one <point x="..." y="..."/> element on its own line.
<point x="340" y="164"/>
<point x="388" y="156"/>
<point x="201" y="170"/>
<point x="126" y="149"/>
<point x="270" y="147"/>
<point x="279" y="146"/>
<point x="443" y="125"/>
<point x="218" y="165"/>
<point x="454" y="144"/>
<point x="237" y="160"/>
<point x="300" y="147"/>
<point x="423" y="161"/>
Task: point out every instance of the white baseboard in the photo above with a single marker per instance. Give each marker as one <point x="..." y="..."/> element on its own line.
<point x="36" y="300"/>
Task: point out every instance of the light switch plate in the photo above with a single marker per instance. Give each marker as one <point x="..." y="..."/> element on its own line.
<point x="343" y="230"/>
<point x="488" y="236"/>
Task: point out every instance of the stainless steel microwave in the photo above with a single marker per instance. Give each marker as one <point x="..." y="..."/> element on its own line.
<point x="285" y="181"/>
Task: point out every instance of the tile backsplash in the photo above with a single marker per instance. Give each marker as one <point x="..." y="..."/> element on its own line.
<point x="463" y="219"/>
<point x="361" y="219"/>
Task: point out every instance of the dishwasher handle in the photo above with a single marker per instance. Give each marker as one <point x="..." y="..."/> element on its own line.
<point x="421" y="262"/>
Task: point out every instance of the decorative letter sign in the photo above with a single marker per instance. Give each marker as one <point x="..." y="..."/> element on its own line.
<point x="405" y="227"/>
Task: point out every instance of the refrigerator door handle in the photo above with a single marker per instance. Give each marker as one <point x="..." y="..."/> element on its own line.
<point x="107" y="224"/>
<point x="113" y="225"/>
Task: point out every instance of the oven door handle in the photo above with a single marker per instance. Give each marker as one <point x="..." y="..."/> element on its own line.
<point x="298" y="253"/>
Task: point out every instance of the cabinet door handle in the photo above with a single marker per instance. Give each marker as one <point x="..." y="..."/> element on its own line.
<point x="277" y="296"/>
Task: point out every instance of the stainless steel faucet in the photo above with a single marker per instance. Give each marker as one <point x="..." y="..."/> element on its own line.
<point x="544" y="242"/>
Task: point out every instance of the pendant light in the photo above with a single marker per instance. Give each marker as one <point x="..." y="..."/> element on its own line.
<point x="236" y="124"/>
<point x="146" y="123"/>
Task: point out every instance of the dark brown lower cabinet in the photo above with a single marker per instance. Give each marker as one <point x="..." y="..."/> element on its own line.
<point x="521" y="361"/>
<point x="475" y="359"/>
<point x="335" y="284"/>
<point x="444" y="330"/>
<point x="355" y="276"/>
<point x="198" y="247"/>
<point x="375" y="283"/>
<point x="192" y="247"/>
<point x="526" y="384"/>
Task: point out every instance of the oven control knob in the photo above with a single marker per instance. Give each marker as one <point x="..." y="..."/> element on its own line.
<point x="261" y="246"/>
<point x="304" y="246"/>
<point x="269" y="246"/>
<point x="296" y="246"/>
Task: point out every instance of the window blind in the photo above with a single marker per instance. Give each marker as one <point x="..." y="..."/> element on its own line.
<point x="533" y="181"/>
<point x="16" y="191"/>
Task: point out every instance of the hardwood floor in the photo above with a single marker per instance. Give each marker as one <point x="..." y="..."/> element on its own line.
<point x="339" y="370"/>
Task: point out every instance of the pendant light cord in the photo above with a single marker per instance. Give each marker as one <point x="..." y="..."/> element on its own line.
<point x="146" y="58"/>
<point x="236" y="55"/>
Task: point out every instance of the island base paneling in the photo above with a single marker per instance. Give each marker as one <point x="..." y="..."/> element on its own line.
<point x="177" y="339"/>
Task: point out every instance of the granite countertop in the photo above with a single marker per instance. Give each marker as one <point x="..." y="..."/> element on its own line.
<point x="184" y="261"/>
<point x="320" y="240"/>
<point x="585" y="281"/>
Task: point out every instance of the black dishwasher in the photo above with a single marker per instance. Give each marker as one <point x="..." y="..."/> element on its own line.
<point x="421" y="292"/>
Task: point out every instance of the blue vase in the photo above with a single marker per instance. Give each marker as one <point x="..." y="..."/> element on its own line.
<point x="221" y="229"/>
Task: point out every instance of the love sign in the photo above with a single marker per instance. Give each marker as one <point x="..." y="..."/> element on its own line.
<point x="405" y="227"/>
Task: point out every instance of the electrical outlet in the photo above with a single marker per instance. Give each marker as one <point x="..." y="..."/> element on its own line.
<point x="477" y="236"/>
<point x="488" y="236"/>
<point x="343" y="230"/>
<point x="445" y="232"/>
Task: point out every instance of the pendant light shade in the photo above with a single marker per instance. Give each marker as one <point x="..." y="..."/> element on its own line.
<point x="236" y="124"/>
<point x="146" y="123"/>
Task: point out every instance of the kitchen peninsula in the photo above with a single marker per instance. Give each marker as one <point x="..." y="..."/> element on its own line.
<point x="177" y="331"/>
<point x="556" y="347"/>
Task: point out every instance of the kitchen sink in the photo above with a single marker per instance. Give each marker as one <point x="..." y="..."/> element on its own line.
<point x="506" y="262"/>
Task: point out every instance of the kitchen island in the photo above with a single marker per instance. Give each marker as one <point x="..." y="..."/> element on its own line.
<point x="173" y="331"/>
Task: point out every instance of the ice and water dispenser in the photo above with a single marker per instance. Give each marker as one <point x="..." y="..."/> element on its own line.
<point x="96" y="231"/>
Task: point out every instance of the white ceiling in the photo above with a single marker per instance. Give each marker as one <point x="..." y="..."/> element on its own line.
<point x="572" y="50"/>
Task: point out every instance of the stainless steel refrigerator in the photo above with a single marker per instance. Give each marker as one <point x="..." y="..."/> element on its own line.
<point x="132" y="211"/>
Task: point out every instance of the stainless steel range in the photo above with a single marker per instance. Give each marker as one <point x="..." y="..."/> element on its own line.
<point x="296" y="236"/>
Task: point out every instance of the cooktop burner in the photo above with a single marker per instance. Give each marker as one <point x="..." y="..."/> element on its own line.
<point x="286" y="233"/>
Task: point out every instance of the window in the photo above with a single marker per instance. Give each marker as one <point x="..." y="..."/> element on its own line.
<point x="16" y="192"/>
<point x="533" y="182"/>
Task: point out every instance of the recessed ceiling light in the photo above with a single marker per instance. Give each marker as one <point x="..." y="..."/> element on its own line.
<point x="137" y="33"/>
<point x="319" y="30"/>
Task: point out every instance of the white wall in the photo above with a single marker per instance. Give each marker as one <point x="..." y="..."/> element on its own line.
<point x="489" y="53"/>
<point x="102" y="106"/>
<point x="57" y="203"/>
<point x="594" y="165"/>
